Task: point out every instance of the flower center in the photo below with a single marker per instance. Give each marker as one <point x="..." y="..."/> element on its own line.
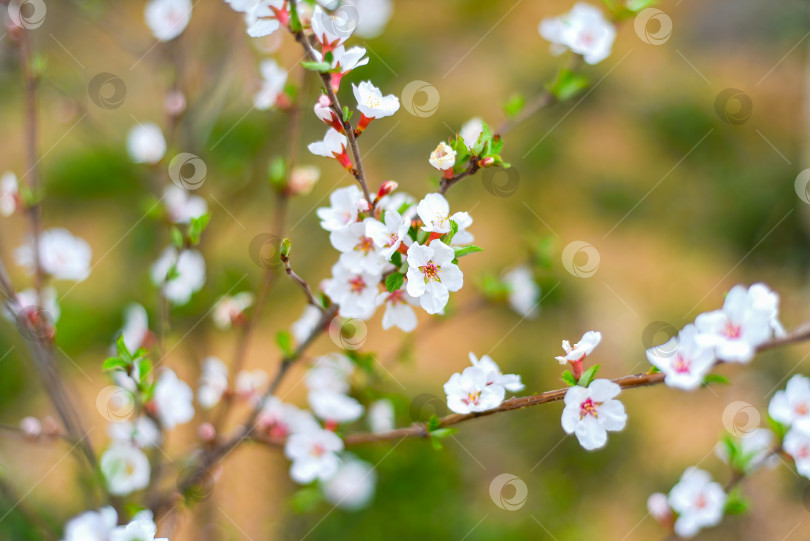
<point x="357" y="284"/>
<point x="681" y="365"/>
<point x="365" y="245"/>
<point x="431" y="272"/>
<point x="472" y="398"/>
<point x="802" y="409"/>
<point x="732" y="331"/>
<point x="318" y="450"/>
<point x="396" y="297"/>
<point x="589" y="408"/>
<point x="700" y="501"/>
<point x="392" y="239"/>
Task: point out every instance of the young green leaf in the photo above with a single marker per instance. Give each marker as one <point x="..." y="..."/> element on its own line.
<point x="316" y="66"/>
<point x="114" y="363"/>
<point x="394" y="281"/>
<point x="514" y="105"/>
<point x="448" y="237"/>
<point x="569" y="378"/>
<point x="197" y="227"/>
<point x="588" y="375"/>
<point x="461" y="251"/>
<point x="284" y="341"/>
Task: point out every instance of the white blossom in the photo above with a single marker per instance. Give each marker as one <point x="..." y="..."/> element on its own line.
<point x="303" y="178"/>
<point x="181" y="206"/>
<point x="381" y="417"/>
<point x="443" y="157"/>
<point x="434" y="211"/>
<point x="352" y="486"/>
<point x="231" y="309"/>
<point x="305" y="325"/>
<point x="280" y="419"/>
<point x="249" y="383"/>
<point x="187" y="274"/>
<point x="173" y="400"/>
<point x="470" y="391"/>
<point x="524" y="293"/>
<point x="432" y="275"/>
<point x="330" y="373"/>
<point x="582" y="349"/>
<point x="313" y="455"/>
<point x="328" y="29"/>
<point x="358" y="252"/>
<point x="274" y="77"/>
<point x="756" y="447"/>
<point x="683" y="359"/>
<point x="30" y="303"/>
<point x="389" y="235"/>
<point x="142" y="433"/>
<point x="371" y="103"/>
<point x="213" y="382"/>
<point x="135" y="332"/>
<point x="343" y="210"/>
<point x="167" y="18"/>
<point x="260" y="15"/>
<point x="61" y="255"/>
<point x="584" y="30"/>
<point x="334" y="407"/>
<point x="9" y="194"/>
<point x="590" y="412"/>
<point x="145" y="143"/>
<point x="510" y="382"/>
<point x="699" y="502"/>
<point x="398" y="311"/>
<point x="792" y="406"/>
<point x="125" y="468"/>
<point x="373" y="16"/>
<point x="471" y="131"/>
<point x="354" y="292"/>
<point x="91" y="525"/>
<point x="797" y="445"/>
<point x="333" y="145"/>
<point x="142" y="527"/>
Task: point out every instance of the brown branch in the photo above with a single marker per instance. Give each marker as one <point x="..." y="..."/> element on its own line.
<point x="301" y="283"/>
<point x="447" y="183"/>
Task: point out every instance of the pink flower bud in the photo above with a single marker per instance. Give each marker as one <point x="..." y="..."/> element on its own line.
<point x="658" y="507"/>
<point x="175" y="103"/>
<point x="49" y="426"/>
<point x="363" y="206"/>
<point x="489" y="161"/>
<point x="206" y="432"/>
<point x="387" y="187"/>
<point x="31" y="427"/>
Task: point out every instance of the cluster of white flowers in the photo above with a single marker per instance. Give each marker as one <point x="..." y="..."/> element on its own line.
<point x="584" y="30"/>
<point x="167" y="19"/>
<point x="102" y="525"/>
<point x="696" y="500"/>
<point x="480" y="387"/>
<point x="749" y="317"/>
<point x="791" y="408"/>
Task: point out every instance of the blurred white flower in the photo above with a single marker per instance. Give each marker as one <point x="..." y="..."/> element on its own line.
<point x="373" y="16"/>
<point x="302" y="179"/>
<point x="92" y="525"/>
<point x="683" y="359"/>
<point x="381" y="416"/>
<point x="797" y="445"/>
<point x="274" y="77"/>
<point x="61" y="255"/>
<point x="334" y="407"/>
<point x="9" y="194"/>
<point x="305" y="325"/>
<point x="313" y="455"/>
<point x="249" y="383"/>
<point x="584" y="30"/>
<point x="187" y="274"/>
<point x="167" y="18"/>
<point x="471" y="130"/>
<point x="213" y="382"/>
<point x="352" y="486"/>
<point x="398" y="309"/>
<point x="699" y="502"/>
<point x="142" y="527"/>
<point x="29" y="303"/>
<point x="181" y="206"/>
<point x="756" y="446"/>
<point x="524" y="293"/>
<point x="135" y="332"/>
<point x="143" y="433"/>
<point x="280" y="419"/>
<point x="145" y="143"/>
<point x="173" y="400"/>
<point x="125" y="468"/>
<point x="792" y="406"/>
<point x="230" y="310"/>
<point x="330" y="373"/>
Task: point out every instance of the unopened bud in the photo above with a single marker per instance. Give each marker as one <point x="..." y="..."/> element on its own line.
<point x="206" y="432"/>
<point x="363" y="206"/>
<point x="175" y="103"/>
<point x="658" y="507"/>
<point x="302" y="179"/>
<point x="324" y="101"/>
<point x="387" y="187"/>
<point x="286" y="245"/>
<point x="489" y="161"/>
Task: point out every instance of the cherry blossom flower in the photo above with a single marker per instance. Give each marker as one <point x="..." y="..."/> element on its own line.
<point x="398" y="311"/>
<point x="354" y="292"/>
<point x="524" y="293"/>
<point x="658" y="506"/>
<point x="324" y="112"/>
<point x="389" y="235"/>
<point x="373" y="16"/>
<point x="10" y="200"/>
<point x="30" y="305"/>
<point x="381" y="417"/>
<point x="263" y="17"/>
<point x="584" y="30"/>
<point x="399" y="202"/>
<point x="590" y="412"/>
<point x="470" y="391"/>
<point x="792" y="406"/>
<point x="167" y="18"/>
<point x="343" y="61"/>
<point x="230" y="310"/>
<point x="61" y="255"/>
<point x="213" y="382"/>
<point x="352" y="486"/>
<point x="683" y="359"/>
<point x="142" y="527"/>
<point x="699" y="502"/>
<point x="125" y="468"/>
<point x="434" y="211"/>
<point x="142" y="433"/>
<point x="756" y="447"/>
<point x="332" y="146"/>
<point x="274" y="78"/>
<point x="306" y="324"/>
<point x="576" y="355"/>
<point x="313" y="455"/>
<point x="763" y="299"/>
<point x="173" y="400"/>
<point x="471" y="131"/>
<point x="462" y="237"/>
<point x="343" y="210"/>
<point x="797" y="445"/>
<point x="136" y="333"/>
<point x="358" y="252"/>
<point x="510" y="382"/>
<point x="179" y="276"/>
<point x="330" y="373"/>
<point x="249" y="384"/>
<point x="334" y="407"/>
<point x="744" y="322"/>
<point x="372" y="104"/>
<point x="145" y="143"/>
<point x="280" y="419"/>
<point x="92" y="525"/>
<point x="443" y="158"/>
<point x="432" y="275"/>
<point x="329" y="30"/>
<point x="302" y="179"/>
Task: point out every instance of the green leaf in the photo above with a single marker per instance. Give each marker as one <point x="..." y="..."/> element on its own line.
<point x="177" y="238"/>
<point x="277" y="173"/>
<point x="197" y="227"/>
<point x="715" y="378"/>
<point x="514" y="105"/>
<point x="568" y="84"/>
<point x="433" y="423"/>
<point x="144" y="370"/>
<point x="448" y="237"/>
<point x="295" y="21"/>
<point x="286" y="246"/>
<point x="442" y="433"/>
<point x="481" y="146"/>
<point x="394" y="281"/>
<point x="461" y="251"/>
<point x="306" y="499"/>
<point x="462" y="153"/>
<point x="123" y="352"/>
<point x="588" y="376"/>
<point x="778" y="428"/>
<point x="114" y="363"/>
<point x="569" y="378"/>
<point x="316" y="66"/>
<point x="284" y="341"/>
<point x="347" y="114"/>
<point x="735" y="504"/>
<point x="396" y="259"/>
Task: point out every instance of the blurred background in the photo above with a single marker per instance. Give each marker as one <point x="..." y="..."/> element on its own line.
<point x="681" y="192"/>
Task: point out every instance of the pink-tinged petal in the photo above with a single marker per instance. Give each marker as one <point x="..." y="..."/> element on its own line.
<point x="735" y="351"/>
